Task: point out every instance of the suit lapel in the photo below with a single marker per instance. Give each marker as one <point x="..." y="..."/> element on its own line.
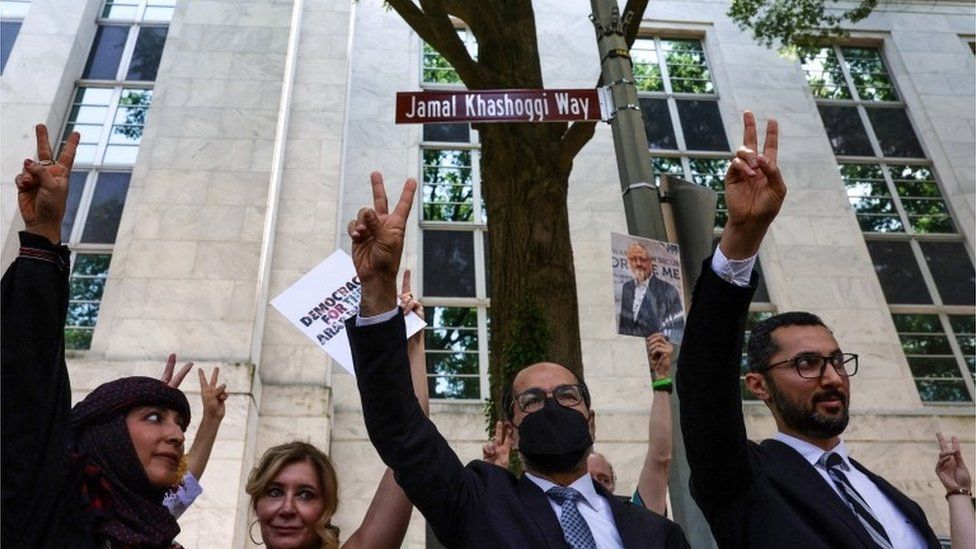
<point x="794" y="476"/>
<point x="909" y="508"/>
<point x="627" y="527"/>
<point x="540" y="510"/>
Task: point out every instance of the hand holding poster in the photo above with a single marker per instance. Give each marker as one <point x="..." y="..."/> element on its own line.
<point x="319" y="303"/>
<point x="647" y="287"/>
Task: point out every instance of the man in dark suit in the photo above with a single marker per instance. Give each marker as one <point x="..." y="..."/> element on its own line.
<point x="648" y="305"/>
<point x="799" y="489"/>
<point x="555" y="503"/>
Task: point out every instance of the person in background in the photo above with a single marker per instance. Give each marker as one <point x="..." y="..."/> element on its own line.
<point x="213" y="397"/>
<point x="294" y="487"/>
<point x="954" y="475"/>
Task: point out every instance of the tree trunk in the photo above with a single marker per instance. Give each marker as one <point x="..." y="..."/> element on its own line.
<point x="532" y="277"/>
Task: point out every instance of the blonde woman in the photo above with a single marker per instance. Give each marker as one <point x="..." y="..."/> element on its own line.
<point x="294" y="489"/>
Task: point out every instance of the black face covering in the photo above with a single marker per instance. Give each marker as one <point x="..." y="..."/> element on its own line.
<point x="555" y="438"/>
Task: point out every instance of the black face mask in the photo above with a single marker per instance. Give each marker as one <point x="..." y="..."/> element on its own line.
<point x="554" y="439"/>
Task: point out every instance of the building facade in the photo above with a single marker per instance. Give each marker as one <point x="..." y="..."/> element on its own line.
<point x="226" y="142"/>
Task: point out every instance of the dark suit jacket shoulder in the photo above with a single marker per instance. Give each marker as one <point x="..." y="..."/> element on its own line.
<point x="753" y="495"/>
<point x="478" y="505"/>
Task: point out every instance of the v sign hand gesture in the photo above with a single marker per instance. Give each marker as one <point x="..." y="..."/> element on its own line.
<point x="754" y="190"/>
<point x="42" y="186"/>
<point x="377" y="242"/>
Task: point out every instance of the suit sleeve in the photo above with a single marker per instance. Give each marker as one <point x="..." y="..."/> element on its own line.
<point x="425" y="466"/>
<point x="707" y="382"/>
<point x="33" y="379"/>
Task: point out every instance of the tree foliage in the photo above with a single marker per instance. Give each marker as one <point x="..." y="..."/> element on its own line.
<point x="791" y="22"/>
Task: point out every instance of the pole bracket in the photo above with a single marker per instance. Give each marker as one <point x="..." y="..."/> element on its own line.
<point x="640" y="185"/>
<point x="627" y="107"/>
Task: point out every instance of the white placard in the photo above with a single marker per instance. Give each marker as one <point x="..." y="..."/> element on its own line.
<point x="319" y="303"/>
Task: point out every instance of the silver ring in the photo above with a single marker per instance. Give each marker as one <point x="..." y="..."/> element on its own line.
<point x="46" y="162"/>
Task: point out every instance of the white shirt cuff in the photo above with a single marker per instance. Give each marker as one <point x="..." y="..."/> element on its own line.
<point x="736" y="271"/>
<point x="370" y="320"/>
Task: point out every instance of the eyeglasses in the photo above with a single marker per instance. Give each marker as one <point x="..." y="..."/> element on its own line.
<point x="532" y="400"/>
<point x="813" y="366"/>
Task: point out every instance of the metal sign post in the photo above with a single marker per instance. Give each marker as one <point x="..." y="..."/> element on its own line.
<point x="642" y="205"/>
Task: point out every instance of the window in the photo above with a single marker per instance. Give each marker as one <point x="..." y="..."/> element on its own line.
<point x="436" y="71"/>
<point x="109" y="110"/>
<point x="12" y="14"/>
<point x="685" y="131"/>
<point x="454" y="246"/>
<point x="920" y="258"/>
<point x="454" y="254"/>
<point x="680" y="107"/>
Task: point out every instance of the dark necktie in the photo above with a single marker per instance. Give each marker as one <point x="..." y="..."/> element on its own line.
<point x="575" y="529"/>
<point x="835" y="469"/>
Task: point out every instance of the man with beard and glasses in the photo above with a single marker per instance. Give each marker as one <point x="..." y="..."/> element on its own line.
<point x="800" y="488"/>
<point x="648" y="304"/>
<point x="555" y="503"/>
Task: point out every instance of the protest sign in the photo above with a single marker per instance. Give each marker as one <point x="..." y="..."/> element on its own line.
<point x="319" y="303"/>
<point x="647" y="287"/>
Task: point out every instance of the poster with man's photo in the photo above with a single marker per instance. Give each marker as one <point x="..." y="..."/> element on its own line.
<point x="647" y="287"/>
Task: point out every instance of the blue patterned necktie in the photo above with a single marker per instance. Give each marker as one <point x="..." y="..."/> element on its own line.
<point x="835" y="469"/>
<point x="575" y="529"/>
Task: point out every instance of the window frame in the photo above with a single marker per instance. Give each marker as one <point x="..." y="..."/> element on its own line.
<point x="908" y="234"/>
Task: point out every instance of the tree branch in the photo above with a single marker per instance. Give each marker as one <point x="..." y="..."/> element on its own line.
<point x="445" y="40"/>
<point x="637" y="7"/>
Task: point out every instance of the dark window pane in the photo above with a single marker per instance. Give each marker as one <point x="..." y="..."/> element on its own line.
<point x="87" y="289"/>
<point x="75" y="188"/>
<point x="824" y="74"/>
<point x="711" y="173"/>
<point x="91" y="265"/>
<point x="900" y="277"/>
<point x="452" y="364"/>
<point x="468" y="387"/>
<point x="106" y="52"/>
<point x="702" y="126"/>
<point x="917" y="323"/>
<point x="454" y="133"/>
<point x="447" y="186"/>
<point x="965" y="328"/>
<point x="687" y="68"/>
<point x="895" y="133"/>
<point x="487" y="260"/>
<point x="952" y="270"/>
<point x="452" y="329"/>
<point x="868" y="195"/>
<point x="925" y="344"/>
<point x="869" y="74"/>
<point x="449" y="263"/>
<point x="934" y="367"/>
<point x="657" y="124"/>
<point x="927" y="211"/>
<point x="8" y="35"/>
<point x="762" y="293"/>
<point x="647" y="70"/>
<point x="77" y="338"/>
<point x="149" y="50"/>
<point x="845" y="131"/>
<point x="942" y="390"/>
<point x="106" y="208"/>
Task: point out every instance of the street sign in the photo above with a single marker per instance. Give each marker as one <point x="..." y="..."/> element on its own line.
<point x="466" y="106"/>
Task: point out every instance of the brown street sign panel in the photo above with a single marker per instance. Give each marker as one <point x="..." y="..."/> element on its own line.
<point x="501" y="106"/>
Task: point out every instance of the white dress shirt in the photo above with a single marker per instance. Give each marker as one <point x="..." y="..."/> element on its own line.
<point x="736" y="271"/>
<point x="594" y="508"/>
<point x="901" y="532"/>
<point x="640" y="290"/>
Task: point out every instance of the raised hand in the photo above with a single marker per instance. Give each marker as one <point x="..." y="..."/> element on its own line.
<point x="754" y="190"/>
<point x="407" y="301"/>
<point x="377" y="242"/>
<point x="169" y="378"/>
<point x="950" y="468"/>
<point x="212" y="395"/>
<point x="497" y="450"/>
<point x="659" y="351"/>
<point x="42" y="186"/>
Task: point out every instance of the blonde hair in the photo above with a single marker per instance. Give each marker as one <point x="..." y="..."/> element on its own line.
<point x="281" y="455"/>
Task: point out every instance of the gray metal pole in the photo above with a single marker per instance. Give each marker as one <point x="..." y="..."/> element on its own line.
<point x="642" y="205"/>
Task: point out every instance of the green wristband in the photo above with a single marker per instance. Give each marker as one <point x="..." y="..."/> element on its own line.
<point x="663" y="384"/>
